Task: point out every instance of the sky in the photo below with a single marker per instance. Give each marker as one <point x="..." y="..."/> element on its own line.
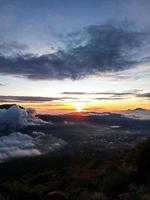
<point x="62" y="56"/>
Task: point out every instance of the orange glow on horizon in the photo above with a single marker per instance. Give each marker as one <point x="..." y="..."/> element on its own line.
<point x="91" y="106"/>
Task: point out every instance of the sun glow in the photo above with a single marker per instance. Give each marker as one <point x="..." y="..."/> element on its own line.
<point x="79" y="106"/>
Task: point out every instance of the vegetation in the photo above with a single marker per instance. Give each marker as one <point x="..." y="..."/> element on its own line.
<point x="121" y="176"/>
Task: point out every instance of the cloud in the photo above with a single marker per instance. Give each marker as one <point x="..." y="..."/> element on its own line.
<point x="15" y="117"/>
<point x="109" y="98"/>
<point x="11" y="48"/>
<point x="146" y="95"/>
<point x="101" y="93"/>
<point x="138" y="113"/>
<point x="124" y="119"/>
<point x="31" y="98"/>
<point x="17" y="145"/>
<point x="76" y="93"/>
<point x="109" y="95"/>
<point x="26" y="99"/>
<point x="101" y="49"/>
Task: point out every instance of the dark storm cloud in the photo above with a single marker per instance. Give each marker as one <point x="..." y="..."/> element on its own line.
<point x="31" y="98"/>
<point x="105" y="48"/>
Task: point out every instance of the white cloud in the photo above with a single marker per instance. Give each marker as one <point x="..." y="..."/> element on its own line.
<point x="18" y="117"/>
<point x="17" y="145"/>
<point x="137" y="114"/>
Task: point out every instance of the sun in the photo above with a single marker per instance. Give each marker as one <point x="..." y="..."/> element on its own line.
<point x="79" y="106"/>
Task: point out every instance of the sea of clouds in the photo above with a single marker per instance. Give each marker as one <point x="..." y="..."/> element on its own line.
<point x="18" y="140"/>
<point x="15" y="144"/>
<point x="137" y="114"/>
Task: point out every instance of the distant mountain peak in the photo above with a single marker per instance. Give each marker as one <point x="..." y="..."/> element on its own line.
<point x="137" y="109"/>
<point x="140" y="109"/>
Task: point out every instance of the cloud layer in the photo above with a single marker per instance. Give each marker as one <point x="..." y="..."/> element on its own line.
<point x="111" y="95"/>
<point x="17" y="145"/>
<point x="31" y="98"/>
<point x="138" y="113"/>
<point x="95" y="49"/>
<point x="14" y="143"/>
<point x="38" y="140"/>
<point x="15" y="117"/>
<point x="11" y="48"/>
<point x="145" y="95"/>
